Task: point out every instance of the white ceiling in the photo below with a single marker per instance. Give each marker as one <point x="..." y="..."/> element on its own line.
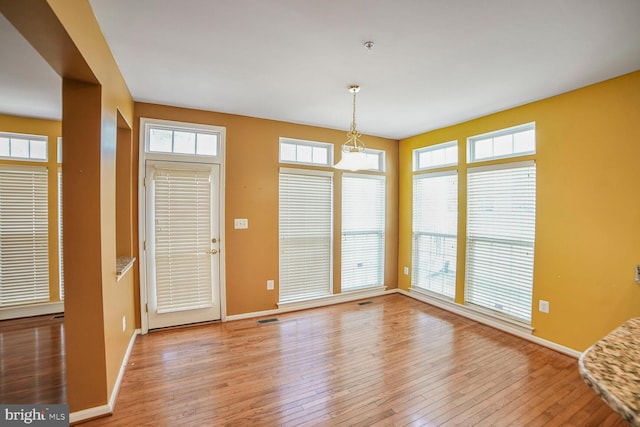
<point x="435" y="62"/>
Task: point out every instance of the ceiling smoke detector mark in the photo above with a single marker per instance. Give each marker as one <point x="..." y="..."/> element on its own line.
<point x="369" y="45"/>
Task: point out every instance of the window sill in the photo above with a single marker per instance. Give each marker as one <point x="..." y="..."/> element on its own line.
<point x="123" y="264"/>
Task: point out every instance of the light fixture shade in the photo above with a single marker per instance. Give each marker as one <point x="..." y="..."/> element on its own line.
<point x="353" y="161"/>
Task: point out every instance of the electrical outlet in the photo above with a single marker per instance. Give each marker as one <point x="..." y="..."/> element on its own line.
<point x="270" y="285"/>
<point x="543" y="306"/>
<point x="124" y="323"/>
<point x="638" y="273"/>
<point x="406" y="271"/>
<point x="241" y="223"/>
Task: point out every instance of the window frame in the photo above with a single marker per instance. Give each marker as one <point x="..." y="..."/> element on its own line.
<point x="169" y="125"/>
<point x="28" y="138"/>
<point x="328" y="147"/>
<point x="473" y="140"/>
<point x="432" y="148"/>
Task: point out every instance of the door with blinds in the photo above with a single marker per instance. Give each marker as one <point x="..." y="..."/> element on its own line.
<point x="182" y="208"/>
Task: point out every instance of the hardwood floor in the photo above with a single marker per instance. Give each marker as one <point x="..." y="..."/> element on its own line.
<point x="393" y="362"/>
<point x="32" y="362"/>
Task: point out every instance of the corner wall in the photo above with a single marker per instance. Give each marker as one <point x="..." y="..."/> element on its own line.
<point x="588" y="211"/>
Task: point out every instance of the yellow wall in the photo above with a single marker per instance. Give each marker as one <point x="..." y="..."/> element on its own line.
<point x="52" y="130"/>
<point x="588" y="211"/>
<point x="252" y="148"/>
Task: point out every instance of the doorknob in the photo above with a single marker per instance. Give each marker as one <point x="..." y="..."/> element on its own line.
<point x="212" y="252"/>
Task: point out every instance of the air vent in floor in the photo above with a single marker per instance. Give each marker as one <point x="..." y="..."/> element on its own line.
<point x="57" y="316"/>
<point x="365" y="302"/>
<point x="263" y="321"/>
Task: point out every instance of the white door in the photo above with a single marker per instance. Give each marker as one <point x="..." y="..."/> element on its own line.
<point x="182" y="244"/>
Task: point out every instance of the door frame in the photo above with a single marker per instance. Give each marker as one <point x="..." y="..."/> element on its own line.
<point x="142" y="214"/>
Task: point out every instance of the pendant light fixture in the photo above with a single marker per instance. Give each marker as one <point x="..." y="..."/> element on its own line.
<point x="353" y="151"/>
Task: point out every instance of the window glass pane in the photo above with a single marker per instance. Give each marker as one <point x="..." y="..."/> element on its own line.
<point x="20" y="148"/>
<point x="287" y="152"/>
<point x="160" y="140"/>
<point x="438" y="157"/>
<point x="451" y="154"/>
<point x="207" y="144"/>
<point x="502" y="145"/>
<point x="59" y="141"/>
<point x="304" y="153"/>
<point x="373" y="161"/>
<point x="184" y="142"/>
<point x="524" y="142"/>
<point x="425" y="159"/>
<point x="483" y="148"/>
<point x="4" y="147"/>
<point x="320" y="156"/>
<point x="38" y="149"/>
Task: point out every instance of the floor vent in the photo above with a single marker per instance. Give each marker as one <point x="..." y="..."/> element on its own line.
<point x="57" y="316"/>
<point x="263" y="321"/>
<point x="365" y="302"/>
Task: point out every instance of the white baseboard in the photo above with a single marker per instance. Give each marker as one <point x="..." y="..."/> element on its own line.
<point x="31" y="310"/>
<point x="486" y="320"/>
<point x="104" y="410"/>
<point x="89" y="413"/>
<point x="319" y="302"/>
<point x="125" y="362"/>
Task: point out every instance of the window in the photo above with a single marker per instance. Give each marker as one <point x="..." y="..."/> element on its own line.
<point x="186" y="141"/>
<point x="24" y="234"/>
<point x="363" y="226"/>
<point x="435" y="225"/>
<point x="305" y="234"/>
<point x="306" y="152"/>
<point x="501" y="212"/>
<point x="375" y="160"/>
<point x="445" y="154"/>
<point x="23" y="147"/>
<point x="515" y="141"/>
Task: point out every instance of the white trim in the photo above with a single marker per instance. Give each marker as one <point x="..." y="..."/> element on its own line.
<point x="501" y="166"/>
<point x="220" y="160"/>
<point x="125" y="362"/>
<point x="17" y="312"/>
<point x="489" y="321"/>
<point x="301" y="171"/>
<point x="314" y="303"/>
<point x="90" y="413"/>
<point x="104" y="410"/>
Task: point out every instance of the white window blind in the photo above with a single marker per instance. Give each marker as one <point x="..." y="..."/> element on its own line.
<point x="435" y="232"/>
<point x="24" y="245"/>
<point x="306" y="231"/>
<point x="60" y="247"/>
<point x="501" y="213"/>
<point x="363" y="226"/>
<point x="182" y="209"/>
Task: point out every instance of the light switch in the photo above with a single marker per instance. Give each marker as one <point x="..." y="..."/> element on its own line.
<point x="240" y="223"/>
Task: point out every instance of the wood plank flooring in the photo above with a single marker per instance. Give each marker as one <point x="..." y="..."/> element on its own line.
<point x="32" y="361"/>
<point x="394" y="362"/>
